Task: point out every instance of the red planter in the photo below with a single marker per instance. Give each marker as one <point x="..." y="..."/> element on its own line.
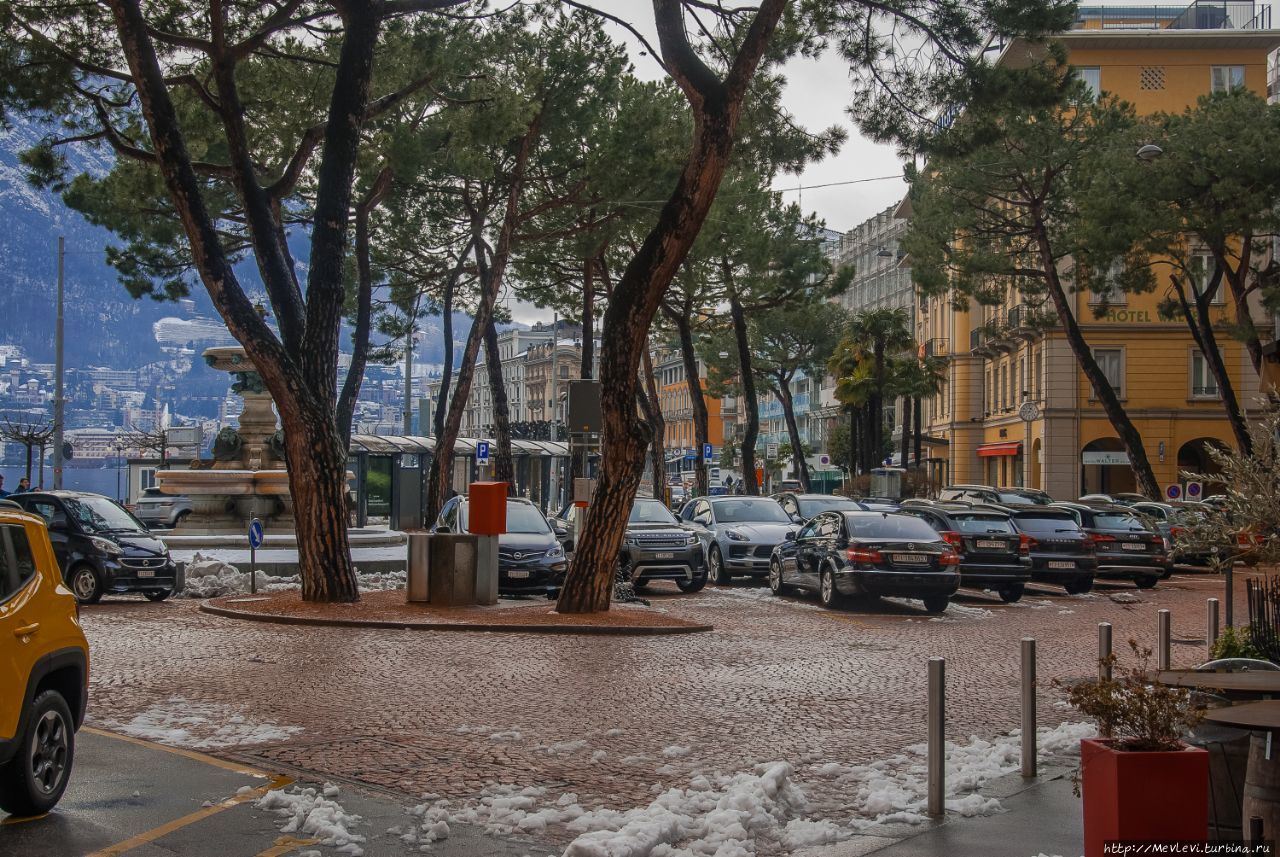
<point x="1138" y="796"/>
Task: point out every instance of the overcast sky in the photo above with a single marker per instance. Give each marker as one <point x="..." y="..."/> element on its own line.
<point x="817" y="94"/>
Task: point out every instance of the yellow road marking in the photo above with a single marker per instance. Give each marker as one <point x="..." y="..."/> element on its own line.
<point x="16" y="819"/>
<point x="191" y="818"/>
<point x="284" y="845"/>
<point x="235" y="767"/>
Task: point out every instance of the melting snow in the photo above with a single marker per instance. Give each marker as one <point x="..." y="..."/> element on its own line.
<point x="209" y="577"/>
<point x="201" y="725"/>
<point x="313" y="812"/>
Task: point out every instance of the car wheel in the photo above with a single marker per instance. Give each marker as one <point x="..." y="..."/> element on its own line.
<point x="936" y="603"/>
<point x="639" y="585"/>
<point x="158" y="595"/>
<point x="827" y="589"/>
<point x="182" y="516"/>
<point x="1147" y="582"/>
<point x="1079" y="587"/>
<point x="1011" y="594"/>
<point x="695" y="585"/>
<point x="34" y="780"/>
<point x="85" y="584"/>
<point x="715" y="567"/>
<point x="776" y="586"/>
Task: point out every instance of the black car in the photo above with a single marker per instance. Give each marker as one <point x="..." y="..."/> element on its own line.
<point x="802" y="507"/>
<point x="1061" y="552"/>
<point x="842" y="553"/>
<point x="1126" y="546"/>
<point x="530" y="558"/>
<point x="991" y="494"/>
<point x="101" y="547"/>
<point x="989" y="545"/>
<point x="658" y="547"/>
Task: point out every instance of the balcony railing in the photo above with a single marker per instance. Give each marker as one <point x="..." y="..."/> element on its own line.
<point x="1200" y="15"/>
<point x="937" y="347"/>
<point x="1210" y="392"/>
<point x="977" y="339"/>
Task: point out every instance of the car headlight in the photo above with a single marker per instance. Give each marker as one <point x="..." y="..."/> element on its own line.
<point x="107" y="546"/>
<point x="555" y="552"/>
<point x="735" y="536"/>
<point x="630" y="541"/>
<point x="691" y="539"/>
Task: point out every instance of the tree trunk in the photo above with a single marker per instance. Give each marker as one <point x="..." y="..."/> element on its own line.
<point x="1199" y="322"/>
<point x="28" y="446"/>
<point x="446" y="330"/>
<point x="870" y="452"/>
<point x="747" y="378"/>
<point x="1248" y="332"/>
<point x="853" y="442"/>
<point x="716" y="107"/>
<point x="693" y="381"/>
<point x="793" y="431"/>
<point x="503" y="465"/>
<point x="657" y="446"/>
<point x="906" y="430"/>
<point x="1102" y="389"/>
<point x="587" y="367"/>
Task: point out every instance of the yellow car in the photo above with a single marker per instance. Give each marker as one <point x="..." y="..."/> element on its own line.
<point x="44" y="668"/>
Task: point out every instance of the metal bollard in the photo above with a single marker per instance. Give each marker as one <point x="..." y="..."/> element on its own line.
<point x="1164" y="644"/>
<point x="937" y="758"/>
<point x="1104" y="651"/>
<point x="1028" y="707"/>
<point x="1211" y="626"/>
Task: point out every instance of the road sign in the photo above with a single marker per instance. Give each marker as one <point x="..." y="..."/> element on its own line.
<point x="1194" y="490"/>
<point x="482" y="452"/>
<point x="824" y="460"/>
<point x="1173" y="492"/>
<point x="707" y="453"/>
<point x="255" y="534"/>
<point x="771" y="450"/>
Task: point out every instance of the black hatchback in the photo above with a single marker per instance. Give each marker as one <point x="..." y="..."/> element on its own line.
<point x="1061" y="552"/>
<point x="989" y="545"/>
<point x="1127" y="547"/>
<point x="101" y="546"/>
<point x="843" y="553"/>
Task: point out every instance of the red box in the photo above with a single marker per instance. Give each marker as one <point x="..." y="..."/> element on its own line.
<point x="487" y="508"/>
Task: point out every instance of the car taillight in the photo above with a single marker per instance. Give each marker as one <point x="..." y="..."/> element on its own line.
<point x="1100" y="537"/>
<point x="1174" y="532"/>
<point x="1026" y="544"/>
<point x="949" y="558"/>
<point x="863" y="555"/>
<point x="953" y="539"/>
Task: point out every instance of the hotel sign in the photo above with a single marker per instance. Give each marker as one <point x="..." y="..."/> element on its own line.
<point x="1104" y="458"/>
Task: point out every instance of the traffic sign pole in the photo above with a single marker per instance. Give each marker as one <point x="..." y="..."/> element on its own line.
<point x="255" y="542"/>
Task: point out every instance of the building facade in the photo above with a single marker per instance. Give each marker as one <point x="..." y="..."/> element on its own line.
<point x="1015" y="409"/>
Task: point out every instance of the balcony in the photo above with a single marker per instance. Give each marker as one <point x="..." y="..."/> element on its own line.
<point x="937" y="348"/>
<point x="1200" y="15"/>
<point x="980" y="343"/>
<point x="1025" y="322"/>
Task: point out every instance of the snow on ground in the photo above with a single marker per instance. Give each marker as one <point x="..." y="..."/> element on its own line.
<point x="209" y="577"/>
<point x="200" y="725"/>
<point x="314" y="813"/>
<point x="771" y="809"/>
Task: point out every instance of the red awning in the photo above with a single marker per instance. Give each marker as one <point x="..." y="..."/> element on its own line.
<point x="1008" y="447"/>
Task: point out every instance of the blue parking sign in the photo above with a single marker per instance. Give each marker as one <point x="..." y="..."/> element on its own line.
<point x="482" y="452"/>
<point x="707" y="453"/>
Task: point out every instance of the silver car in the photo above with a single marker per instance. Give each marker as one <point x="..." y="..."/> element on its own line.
<point x="162" y="510"/>
<point x="738" y="533"/>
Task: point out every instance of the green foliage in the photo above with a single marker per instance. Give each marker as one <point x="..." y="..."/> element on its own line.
<point x="1236" y="642"/>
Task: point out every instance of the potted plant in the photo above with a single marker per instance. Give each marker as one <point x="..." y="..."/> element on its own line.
<point x="1140" y="780"/>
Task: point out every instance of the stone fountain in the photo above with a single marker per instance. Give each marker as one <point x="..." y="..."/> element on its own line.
<point x="247" y="476"/>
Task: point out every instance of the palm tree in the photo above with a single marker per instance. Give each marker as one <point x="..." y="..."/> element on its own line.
<point x="865" y="357"/>
<point x="916" y="378"/>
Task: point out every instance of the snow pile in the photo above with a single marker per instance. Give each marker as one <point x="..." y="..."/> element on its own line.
<point x="201" y="725"/>
<point x="210" y="577"/>
<point x="314" y="813"/>
<point x="956" y="612"/>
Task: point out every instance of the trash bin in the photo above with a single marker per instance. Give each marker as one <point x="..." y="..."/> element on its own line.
<point x="453" y="569"/>
<point x="419" y="565"/>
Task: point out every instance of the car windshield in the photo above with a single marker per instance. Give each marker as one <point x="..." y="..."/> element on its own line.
<point x="1117" y="521"/>
<point x="890" y="526"/>
<point x="100" y="515"/>
<point x="525" y="518"/>
<point x="982" y="524"/>
<point x="650" y="512"/>
<point x="750" y="510"/>
<point x="1047" y="524"/>
<point x="812" y="506"/>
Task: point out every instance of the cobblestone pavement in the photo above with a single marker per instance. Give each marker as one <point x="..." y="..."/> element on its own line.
<point x="416" y="712"/>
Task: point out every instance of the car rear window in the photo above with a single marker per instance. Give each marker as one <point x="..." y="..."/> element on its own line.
<point x="890" y="526"/>
<point x="810" y="508"/>
<point x="1047" y="525"/>
<point x="983" y="524"/>
<point x="1113" y="521"/>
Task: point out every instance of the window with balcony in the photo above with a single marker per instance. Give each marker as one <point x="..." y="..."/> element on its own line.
<point x="1203" y="384"/>
<point x="1226" y="78"/>
<point x="1111" y="362"/>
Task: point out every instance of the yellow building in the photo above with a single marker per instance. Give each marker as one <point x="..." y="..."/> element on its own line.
<point x="1002" y="369"/>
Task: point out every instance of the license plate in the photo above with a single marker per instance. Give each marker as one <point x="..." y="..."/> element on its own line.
<point x="664" y="556"/>
<point x="990" y="543"/>
<point x="146" y="572"/>
<point x="911" y="559"/>
<point x="1061" y="564"/>
<point x="517" y="575"/>
<point x="1129" y="547"/>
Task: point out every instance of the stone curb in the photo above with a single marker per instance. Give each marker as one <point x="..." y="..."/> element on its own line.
<point x="473" y="627"/>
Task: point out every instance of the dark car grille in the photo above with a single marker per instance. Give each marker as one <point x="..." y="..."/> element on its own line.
<point x="764" y="551"/>
<point x="660" y="541"/>
<point x="143" y="562"/>
<point x="520" y="555"/>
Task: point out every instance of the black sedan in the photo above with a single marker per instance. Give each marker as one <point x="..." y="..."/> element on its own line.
<point x="1126" y="546"/>
<point x="1061" y="552"/>
<point x="988" y="543"/>
<point x="844" y="553"/>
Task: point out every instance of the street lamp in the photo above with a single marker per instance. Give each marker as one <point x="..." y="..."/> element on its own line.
<point x="1149" y="152"/>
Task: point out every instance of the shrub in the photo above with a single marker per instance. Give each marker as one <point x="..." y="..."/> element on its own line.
<point x="1236" y="642"/>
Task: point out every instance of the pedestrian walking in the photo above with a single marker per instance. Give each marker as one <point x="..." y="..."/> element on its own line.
<point x="24" y="485"/>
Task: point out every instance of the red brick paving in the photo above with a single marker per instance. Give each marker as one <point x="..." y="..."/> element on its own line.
<point x="413" y="711"/>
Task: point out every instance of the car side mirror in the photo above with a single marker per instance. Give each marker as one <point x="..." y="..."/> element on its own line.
<point x="442" y="529"/>
<point x="791" y="535"/>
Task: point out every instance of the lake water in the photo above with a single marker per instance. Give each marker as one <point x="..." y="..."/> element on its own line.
<point x="95" y="479"/>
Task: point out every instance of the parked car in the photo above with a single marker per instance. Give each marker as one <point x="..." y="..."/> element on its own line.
<point x="845" y="553"/>
<point x="101" y="547"/>
<point x="802" y="507"/>
<point x="1126" y="546"/>
<point x="737" y="533"/>
<point x="1168" y="521"/>
<point x="1118" y="499"/>
<point x="44" y="669"/>
<point x="1061" y="552"/>
<point x="990" y="494"/>
<point x="531" y="559"/>
<point x="790" y="485"/>
<point x="679" y="496"/>
<point x="162" y="510"/>
<point x="656" y="546"/>
<point x="988" y="543"/>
